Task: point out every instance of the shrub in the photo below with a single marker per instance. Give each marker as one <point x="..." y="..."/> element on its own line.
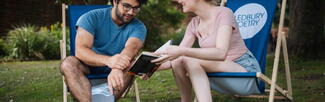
<point x="3" y="48"/>
<point x="29" y="42"/>
<point x="52" y="45"/>
<point x="161" y="19"/>
<point x="22" y="42"/>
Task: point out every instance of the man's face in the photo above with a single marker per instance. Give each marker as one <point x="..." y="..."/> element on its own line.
<point x="127" y="10"/>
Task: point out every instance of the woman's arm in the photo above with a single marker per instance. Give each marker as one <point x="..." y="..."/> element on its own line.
<point x="187" y="42"/>
<point x="218" y="53"/>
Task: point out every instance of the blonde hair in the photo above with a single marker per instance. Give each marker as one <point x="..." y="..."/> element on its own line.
<point x="214" y="2"/>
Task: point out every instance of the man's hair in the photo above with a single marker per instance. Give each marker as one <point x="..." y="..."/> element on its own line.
<point x="141" y="2"/>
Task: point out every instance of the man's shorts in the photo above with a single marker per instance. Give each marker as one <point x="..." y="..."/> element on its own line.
<point x="99" y="70"/>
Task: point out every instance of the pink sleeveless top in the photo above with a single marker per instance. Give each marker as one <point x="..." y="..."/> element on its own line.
<point x="224" y="16"/>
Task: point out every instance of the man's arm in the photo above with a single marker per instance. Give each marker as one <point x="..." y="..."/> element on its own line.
<point x="116" y="78"/>
<point x="132" y="47"/>
<point x="84" y="43"/>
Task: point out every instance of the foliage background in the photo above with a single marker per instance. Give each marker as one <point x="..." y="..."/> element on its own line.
<point x="29" y="42"/>
<point x="162" y="20"/>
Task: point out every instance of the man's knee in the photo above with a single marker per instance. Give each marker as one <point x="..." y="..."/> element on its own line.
<point x="69" y="64"/>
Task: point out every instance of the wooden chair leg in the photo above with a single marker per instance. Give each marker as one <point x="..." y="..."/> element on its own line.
<point x="63" y="49"/>
<point x="136" y="90"/>
<point x="286" y="61"/>
<point x="127" y="91"/>
<point x="65" y="91"/>
<point x="277" y="52"/>
<point x="137" y="96"/>
<point x="64" y="85"/>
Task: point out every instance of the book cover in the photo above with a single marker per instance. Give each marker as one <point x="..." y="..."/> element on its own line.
<point x="142" y="64"/>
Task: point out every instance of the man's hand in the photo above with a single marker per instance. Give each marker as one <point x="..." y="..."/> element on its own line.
<point x="115" y="80"/>
<point x="118" y="61"/>
<point x="148" y="75"/>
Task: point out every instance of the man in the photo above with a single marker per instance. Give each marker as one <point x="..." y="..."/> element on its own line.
<point x="106" y="41"/>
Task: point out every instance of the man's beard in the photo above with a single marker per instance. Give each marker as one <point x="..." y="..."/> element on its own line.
<point x="120" y="16"/>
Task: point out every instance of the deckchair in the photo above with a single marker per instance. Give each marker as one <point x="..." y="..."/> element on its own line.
<point x="255" y="34"/>
<point x="74" y="12"/>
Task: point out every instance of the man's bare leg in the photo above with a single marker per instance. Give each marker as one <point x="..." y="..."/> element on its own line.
<point x="74" y="72"/>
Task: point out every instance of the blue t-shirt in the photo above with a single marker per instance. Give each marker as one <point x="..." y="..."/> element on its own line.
<point x="109" y="38"/>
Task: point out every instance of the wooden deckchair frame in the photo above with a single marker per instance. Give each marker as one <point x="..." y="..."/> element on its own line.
<point x="64" y="55"/>
<point x="281" y="40"/>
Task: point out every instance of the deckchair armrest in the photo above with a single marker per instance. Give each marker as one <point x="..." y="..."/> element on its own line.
<point x="233" y="74"/>
<point x="97" y="76"/>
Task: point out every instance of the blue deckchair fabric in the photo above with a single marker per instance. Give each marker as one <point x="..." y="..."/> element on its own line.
<point x="234" y="74"/>
<point x="254" y="18"/>
<point x="74" y="12"/>
<point x="257" y="44"/>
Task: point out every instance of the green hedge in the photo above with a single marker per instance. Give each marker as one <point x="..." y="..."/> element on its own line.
<point x="3" y="48"/>
<point x="29" y="42"/>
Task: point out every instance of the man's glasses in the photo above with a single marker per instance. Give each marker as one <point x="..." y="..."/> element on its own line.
<point x="128" y="7"/>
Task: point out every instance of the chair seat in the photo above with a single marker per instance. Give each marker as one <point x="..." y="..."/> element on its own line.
<point x="233" y="74"/>
<point x="97" y="76"/>
<point x="234" y="77"/>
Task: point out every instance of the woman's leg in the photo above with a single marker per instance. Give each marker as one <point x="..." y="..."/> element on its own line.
<point x="220" y="66"/>
<point x="182" y="80"/>
<point x="199" y="79"/>
<point x="197" y="69"/>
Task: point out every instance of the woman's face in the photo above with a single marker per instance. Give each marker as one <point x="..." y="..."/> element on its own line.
<point x="188" y="5"/>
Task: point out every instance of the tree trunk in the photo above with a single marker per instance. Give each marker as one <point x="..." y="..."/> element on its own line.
<point x="306" y="37"/>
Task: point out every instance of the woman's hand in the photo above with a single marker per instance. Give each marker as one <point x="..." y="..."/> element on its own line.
<point x="172" y="52"/>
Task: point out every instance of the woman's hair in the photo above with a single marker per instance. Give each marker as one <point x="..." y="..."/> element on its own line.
<point x="179" y="6"/>
<point x="214" y="2"/>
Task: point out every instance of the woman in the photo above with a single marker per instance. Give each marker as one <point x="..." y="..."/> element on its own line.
<point x="221" y="49"/>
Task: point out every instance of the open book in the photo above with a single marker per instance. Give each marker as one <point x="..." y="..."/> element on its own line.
<point x="142" y="64"/>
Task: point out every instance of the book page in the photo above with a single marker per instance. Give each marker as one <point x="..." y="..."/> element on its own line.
<point x="163" y="47"/>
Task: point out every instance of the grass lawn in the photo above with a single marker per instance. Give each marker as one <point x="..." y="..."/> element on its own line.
<point x="40" y="81"/>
